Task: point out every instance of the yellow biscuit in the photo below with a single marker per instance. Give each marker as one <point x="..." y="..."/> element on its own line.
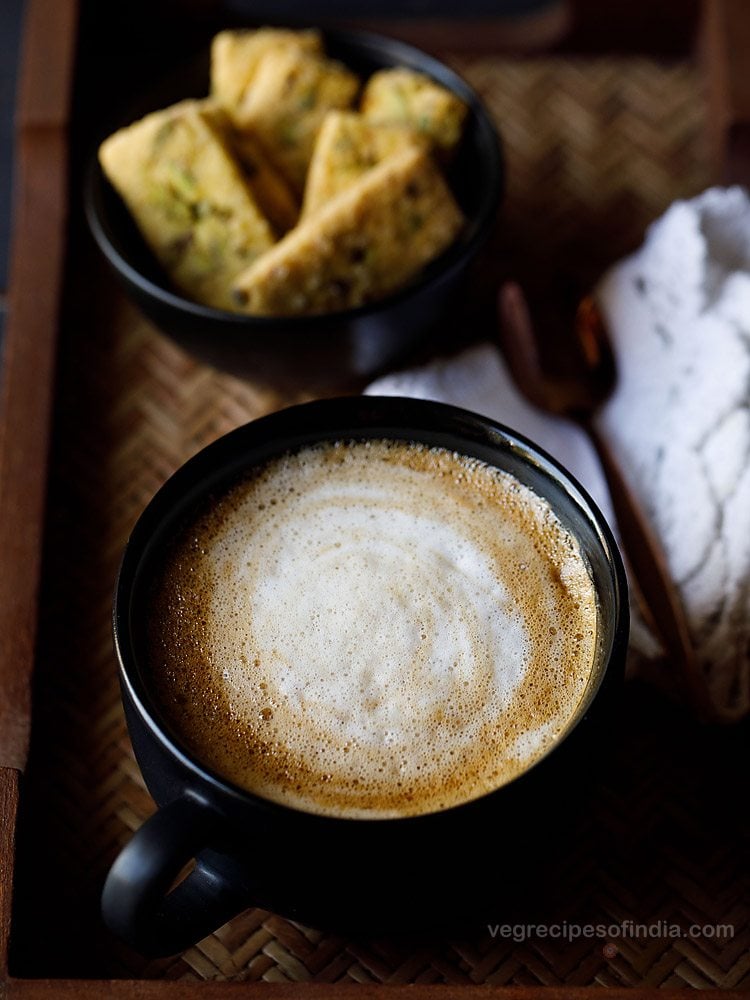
<point x="189" y="199"/>
<point x="402" y="95"/>
<point x="374" y="237"/>
<point x="235" y="56"/>
<point x="289" y="97"/>
<point x="346" y="147"/>
<point x="271" y="192"/>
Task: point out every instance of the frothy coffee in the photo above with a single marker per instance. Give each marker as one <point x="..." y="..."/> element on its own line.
<point x="373" y="629"/>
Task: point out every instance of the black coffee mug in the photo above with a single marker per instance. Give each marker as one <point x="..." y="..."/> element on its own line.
<point x="382" y="874"/>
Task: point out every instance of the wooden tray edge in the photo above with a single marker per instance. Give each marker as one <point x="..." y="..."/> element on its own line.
<point x="26" y="400"/>
<point x="38" y="251"/>
<point x="41" y="989"/>
<point x="26" y="395"/>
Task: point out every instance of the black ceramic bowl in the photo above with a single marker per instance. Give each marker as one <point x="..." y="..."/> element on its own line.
<point x="332" y="348"/>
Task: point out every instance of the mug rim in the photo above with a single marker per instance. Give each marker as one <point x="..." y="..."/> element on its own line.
<point x="211" y="466"/>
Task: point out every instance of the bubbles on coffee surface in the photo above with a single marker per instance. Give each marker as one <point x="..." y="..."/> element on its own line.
<point x="373" y="629"/>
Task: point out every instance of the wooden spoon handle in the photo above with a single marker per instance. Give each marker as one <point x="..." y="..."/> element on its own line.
<point x="649" y="567"/>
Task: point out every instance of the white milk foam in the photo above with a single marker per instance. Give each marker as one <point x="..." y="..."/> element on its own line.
<point x="383" y="630"/>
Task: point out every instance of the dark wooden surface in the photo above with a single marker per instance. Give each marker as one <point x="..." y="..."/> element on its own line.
<point x="25" y="408"/>
<point x="725" y="44"/>
<point x="29" y="354"/>
<point x="10" y="38"/>
<point x="9" y="782"/>
<point x="144" y="990"/>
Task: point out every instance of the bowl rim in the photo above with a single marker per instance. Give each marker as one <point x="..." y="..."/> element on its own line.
<point x="366" y="417"/>
<point x="479" y="226"/>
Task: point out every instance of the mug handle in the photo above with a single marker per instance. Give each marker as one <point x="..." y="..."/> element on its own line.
<point x="136" y="902"/>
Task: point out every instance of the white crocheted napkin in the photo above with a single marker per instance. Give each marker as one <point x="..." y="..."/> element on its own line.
<point x="678" y="313"/>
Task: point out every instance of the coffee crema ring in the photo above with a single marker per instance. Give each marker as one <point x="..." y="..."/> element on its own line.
<point x="373" y="629"/>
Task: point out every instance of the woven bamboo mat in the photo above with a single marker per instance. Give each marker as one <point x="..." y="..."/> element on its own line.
<point x="595" y="151"/>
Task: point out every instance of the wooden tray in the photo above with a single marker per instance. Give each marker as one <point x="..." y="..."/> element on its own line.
<point x="98" y="408"/>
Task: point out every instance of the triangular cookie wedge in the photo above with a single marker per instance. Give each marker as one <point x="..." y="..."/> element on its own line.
<point x="189" y="198"/>
<point x="289" y="97"/>
<point x="371" y="239"/>
<point x="347" y="146"/>
<point x="235" y="56"/>
<point x="403" y="95"/>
